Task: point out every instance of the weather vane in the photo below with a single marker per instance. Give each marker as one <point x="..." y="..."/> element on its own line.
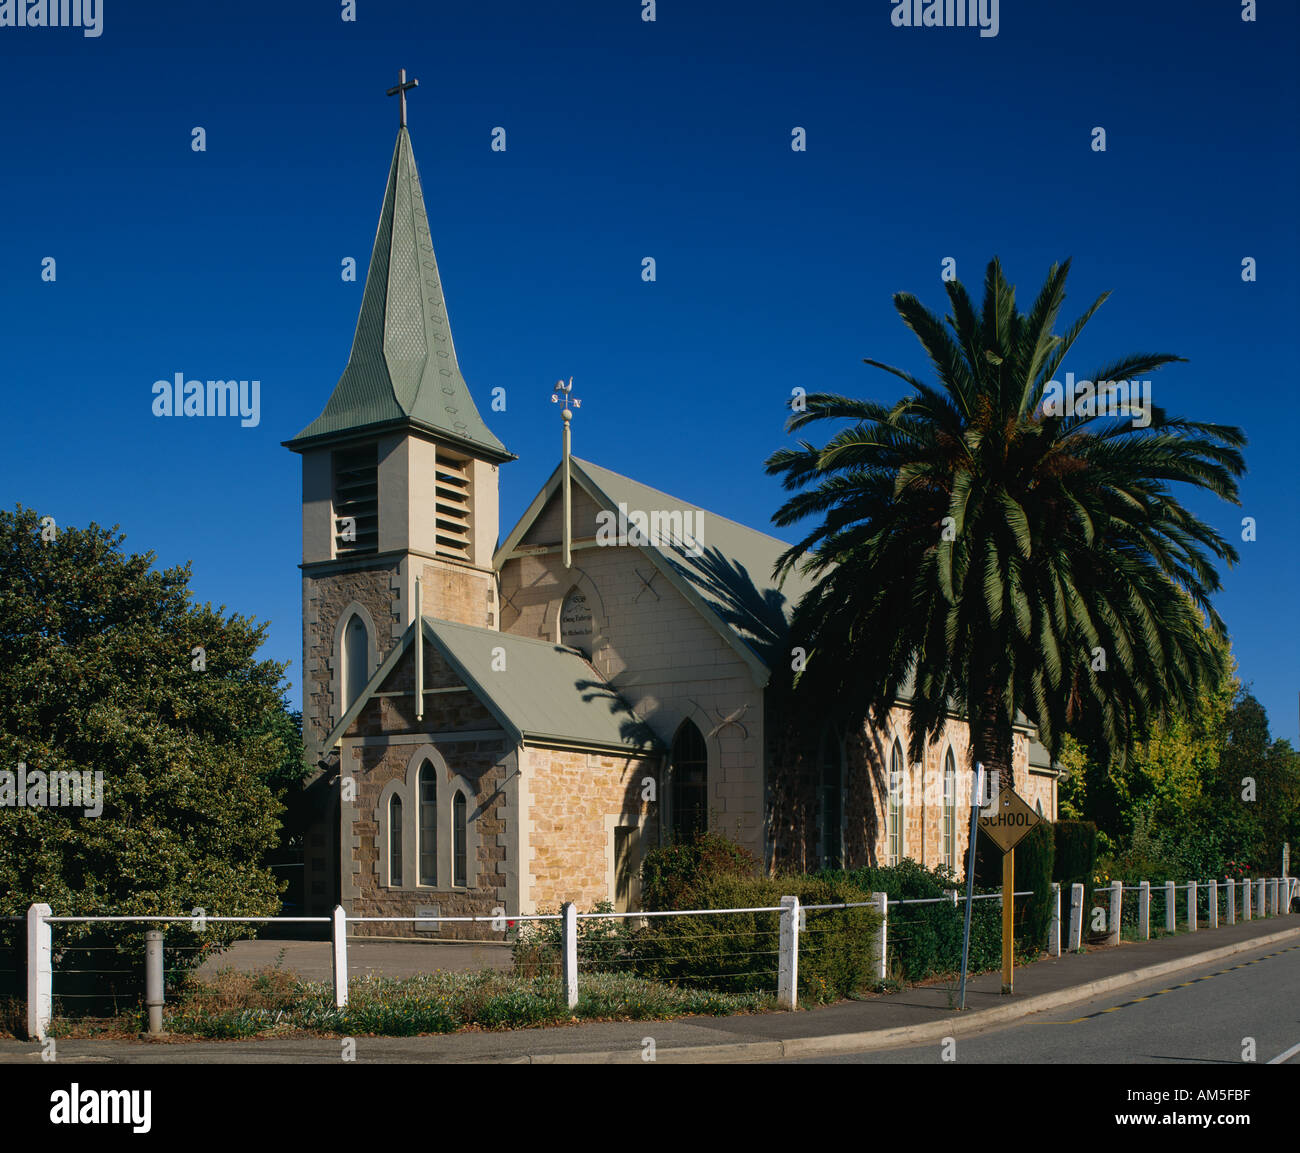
<point x="561" y="387"/>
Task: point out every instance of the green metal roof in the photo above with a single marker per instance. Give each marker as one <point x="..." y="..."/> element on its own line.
<point x="545" y="693"/>
<point x="403" y="369"/>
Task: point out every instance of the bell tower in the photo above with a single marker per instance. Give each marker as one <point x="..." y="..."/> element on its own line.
<point x="399" y="472"/>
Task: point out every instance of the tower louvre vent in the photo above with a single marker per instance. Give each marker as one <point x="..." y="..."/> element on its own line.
<point x="452" y="507"/>
<point x="356" y="501"/>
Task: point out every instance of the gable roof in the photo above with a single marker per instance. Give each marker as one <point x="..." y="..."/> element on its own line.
<point x="730" y="584"/>
<point x="544" y="694"/>
<point x="403" y="370"/>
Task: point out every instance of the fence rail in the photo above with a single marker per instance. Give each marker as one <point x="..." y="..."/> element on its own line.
<point x="1269" y="897"/>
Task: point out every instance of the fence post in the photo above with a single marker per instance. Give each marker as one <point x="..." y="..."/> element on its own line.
<point x="882" y="935"/>
<point x="1144" y="910"/>
<point x="153" y="979"/>
<point x="1171" y="915"/>
<point x="1214" y="904"/>
<point x="1116" y="912"/>
<point x="40" y="972"/>
<point x="1260" y="902"/>
<point x="1245" y="899"/>
<point x="787" y="978"/>
<point x="1272" y="896"/>
<point x="569" y="948"/>
<point x="1191" y="906"/>
<point x="339" y="933"/>
<point x="1054" y="939"/>
<point x="1230" y="886"/>
<point x="1076" y="917"/>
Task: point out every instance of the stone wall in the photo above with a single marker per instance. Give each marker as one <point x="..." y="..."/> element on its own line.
<point x="575" y="800"/>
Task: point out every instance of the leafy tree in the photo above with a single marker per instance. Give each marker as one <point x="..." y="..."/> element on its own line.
<point x="991" y="550"/>
<point x="100" y="673"/>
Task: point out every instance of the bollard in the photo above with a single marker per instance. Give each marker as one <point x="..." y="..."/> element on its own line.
<point x="787" y="976"/>
<point x="1191" y="906"/>
<point x="1054" y="940"/>
<point x="882" y="935"/>
<point x="153" y="980"/>
<point x="339" y="942"/>
<point x="1214" y="904"/>
<point x="1245" y="899"/>
<point x="1076" y="918"/>
<point x="1116" y="912"/>
<point x="1260" y="902"/>
<point x="1230" y="887"/>
<point x="40" y="972"/>
<point x="1144" y="910"/>
<point x="569" y="931"/>
<point x="1171" y="916"/>
<point x="1272" y="897"/>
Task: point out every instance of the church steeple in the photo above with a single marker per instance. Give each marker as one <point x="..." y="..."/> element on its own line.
<point x="403" y="369"/>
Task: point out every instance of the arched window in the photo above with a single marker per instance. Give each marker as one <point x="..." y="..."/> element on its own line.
<point x="575" y="622"/>
<point x="832" y="791"/>
<point x="896" y="838"/>
<point x="950" y="811"/>
<point x="459" y="841"/>
<point x="690" y="783"/>
<point x="395" y="840"/>
<point x="428" y="824"/>
<point x="355" y="662"/>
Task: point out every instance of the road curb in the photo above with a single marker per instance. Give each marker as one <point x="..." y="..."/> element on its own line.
<point x="886" y="1038"/>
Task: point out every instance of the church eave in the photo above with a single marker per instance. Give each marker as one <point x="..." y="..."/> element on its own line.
<point x="366" y="432"/>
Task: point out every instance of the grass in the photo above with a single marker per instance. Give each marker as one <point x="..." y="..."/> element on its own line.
<point x="276" y="1002"/>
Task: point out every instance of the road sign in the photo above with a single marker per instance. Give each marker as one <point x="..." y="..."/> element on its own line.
<point x="1008" y="820"/>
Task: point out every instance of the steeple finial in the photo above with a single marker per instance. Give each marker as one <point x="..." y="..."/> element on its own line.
<point x="566" y="389"/>
<point x="401" y="88"/>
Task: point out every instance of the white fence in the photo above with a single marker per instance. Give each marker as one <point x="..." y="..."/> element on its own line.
<point x="1276" y="894"/>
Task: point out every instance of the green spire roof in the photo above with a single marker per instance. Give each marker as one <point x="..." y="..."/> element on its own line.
<point x="403" y="370"/>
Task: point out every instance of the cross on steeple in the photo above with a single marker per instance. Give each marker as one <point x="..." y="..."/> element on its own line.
<point x="401" y="88"/>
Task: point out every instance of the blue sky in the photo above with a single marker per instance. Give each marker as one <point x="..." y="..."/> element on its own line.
<point x="626" y="139"/>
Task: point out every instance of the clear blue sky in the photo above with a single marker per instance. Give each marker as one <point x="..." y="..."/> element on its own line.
<point x="627" y="139"/>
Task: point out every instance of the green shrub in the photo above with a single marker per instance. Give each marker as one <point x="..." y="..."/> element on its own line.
<point x="1076" y="857"/>
<point x="670" y="872"/>
<point x="1035" y="857"/>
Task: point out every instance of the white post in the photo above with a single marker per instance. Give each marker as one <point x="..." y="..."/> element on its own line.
<point x="339" y="936"/>
<point x="1116" y="911"/>
<point x="1272" y="897"/>
<point x="787" y="978"/>
<point x="1076" y="918"/>
<point x="1144" y="910"/>
<point x="1230" y="887"/>
<point x="1054" y="940"/>
<point x="40" y="972"/>
<point x="154" y="984"/>
<point x="882" y="935"/>
<point x="1214" y="904"/>
<point x="569" y="934"/>
<point x="1171" y="918"/>
<point x="1245" y="898"/>
<point x="1261" y="902"/>
<point x="1191" y="906"/>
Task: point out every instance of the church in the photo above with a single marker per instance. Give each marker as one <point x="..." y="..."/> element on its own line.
<point x="509" y="720"/>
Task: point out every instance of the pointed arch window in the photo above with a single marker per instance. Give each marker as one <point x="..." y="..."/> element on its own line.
<point x="690" y="782"/>
<point x="355" y="660"/>
<point x="897" y="841"/>
<point x="832" y="792"/>
<point x="395" y="840"/>
<point x="428" y="824"/>
<point x="459" y="840"/>
<point x="950" y="810"/>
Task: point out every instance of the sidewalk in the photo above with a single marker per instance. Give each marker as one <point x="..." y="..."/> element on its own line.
<point x="915" y="1015"/>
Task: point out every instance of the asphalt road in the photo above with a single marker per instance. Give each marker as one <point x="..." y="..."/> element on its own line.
<point x="1206" y="1015"/>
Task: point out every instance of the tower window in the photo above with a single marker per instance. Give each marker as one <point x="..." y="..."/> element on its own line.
<point x="451" y="507"/>
<point x="356" y="501"/>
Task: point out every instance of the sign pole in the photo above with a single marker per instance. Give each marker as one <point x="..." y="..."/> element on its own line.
<point x="1008" y="918"/>
<point x="970" y="877"/>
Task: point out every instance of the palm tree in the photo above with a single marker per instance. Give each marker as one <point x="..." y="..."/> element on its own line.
<point x="993" y="548"/>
